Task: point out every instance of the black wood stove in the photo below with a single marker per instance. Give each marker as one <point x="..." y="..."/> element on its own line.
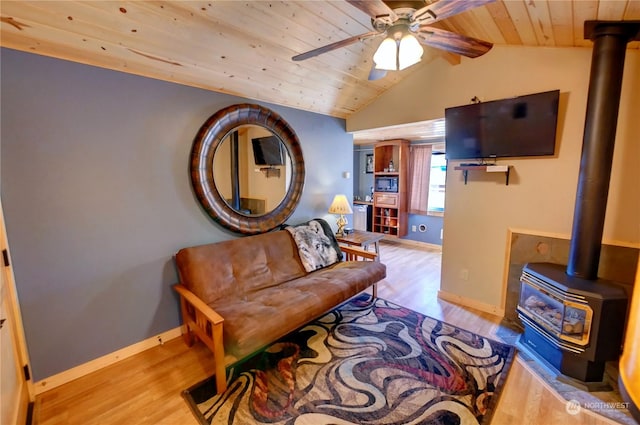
<point x="573" y="320"/>
<point x="575" y="325"/>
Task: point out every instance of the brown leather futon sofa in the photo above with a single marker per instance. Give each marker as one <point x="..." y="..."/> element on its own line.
<point x="239" y="295"/>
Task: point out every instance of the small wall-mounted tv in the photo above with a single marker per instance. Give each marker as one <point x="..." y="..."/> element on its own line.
<point x="518" y="126"/>
<point x="267" y="151"/>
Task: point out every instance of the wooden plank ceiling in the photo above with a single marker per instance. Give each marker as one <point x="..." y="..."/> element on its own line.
<point x="244" y="48"/>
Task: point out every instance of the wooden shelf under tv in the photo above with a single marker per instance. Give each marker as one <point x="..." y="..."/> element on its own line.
<point x="506" y="169"/>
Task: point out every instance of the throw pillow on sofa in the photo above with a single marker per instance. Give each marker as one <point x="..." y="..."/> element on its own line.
<point x="316" y="243"/>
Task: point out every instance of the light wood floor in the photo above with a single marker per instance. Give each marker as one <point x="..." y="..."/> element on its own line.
<point x="146" y="388"/>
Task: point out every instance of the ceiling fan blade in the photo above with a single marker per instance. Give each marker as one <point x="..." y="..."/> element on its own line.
<point x="452" y="42"/>
<point x="444" y="9"/>
<point x="374" y="8"/>
<point x="333" y="46"/>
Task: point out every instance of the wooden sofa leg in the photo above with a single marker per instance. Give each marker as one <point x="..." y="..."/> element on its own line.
<point x="218" y="358"/>
<point x="374" y="292"/>
<point x="187" y="334"/>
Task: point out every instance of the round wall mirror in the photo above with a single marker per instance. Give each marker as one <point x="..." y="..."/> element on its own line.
<point x="247" y="168"/>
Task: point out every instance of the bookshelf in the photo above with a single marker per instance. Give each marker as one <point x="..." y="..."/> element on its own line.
<point x="391" y="163"/>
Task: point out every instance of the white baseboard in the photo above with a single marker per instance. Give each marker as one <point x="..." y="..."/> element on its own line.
<point x="104" y="361"/>
<point x="412" y="243"/>
<point x="468" y="302"/>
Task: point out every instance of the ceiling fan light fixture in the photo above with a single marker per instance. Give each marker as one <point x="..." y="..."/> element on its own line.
<point x="409" y="52"/>
<point x="386" y="55"/>
<point x="405" y="26"/>
<point x="399" y="50"/>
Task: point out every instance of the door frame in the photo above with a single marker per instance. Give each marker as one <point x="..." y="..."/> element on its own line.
<point x="15" y="327"/>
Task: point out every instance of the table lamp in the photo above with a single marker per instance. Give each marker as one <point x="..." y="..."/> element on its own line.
<point x="340" y="206"/>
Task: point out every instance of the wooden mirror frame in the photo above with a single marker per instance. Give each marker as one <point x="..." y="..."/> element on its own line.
<point x="211" y="134"/>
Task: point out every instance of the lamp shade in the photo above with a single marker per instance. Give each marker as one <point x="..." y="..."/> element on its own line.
<point x="340" y="205"/>
<point x="385" y="57"/>
<point x="409" y="52"/>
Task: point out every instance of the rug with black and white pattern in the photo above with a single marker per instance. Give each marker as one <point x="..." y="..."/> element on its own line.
<point x="363" y="363"/>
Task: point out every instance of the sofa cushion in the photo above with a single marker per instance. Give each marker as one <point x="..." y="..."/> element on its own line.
<point x="316" y="243"/>
<point x="263" y="316"/>
<point x="235" y="267"/>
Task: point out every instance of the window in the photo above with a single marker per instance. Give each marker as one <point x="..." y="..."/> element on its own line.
<point x="427" y="175"/>
<point x="437" y="178"/>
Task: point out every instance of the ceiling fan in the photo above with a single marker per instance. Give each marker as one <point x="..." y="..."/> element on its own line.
<point x="407" y="26"/>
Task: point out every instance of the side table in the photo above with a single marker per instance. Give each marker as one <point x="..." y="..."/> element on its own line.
<point x="363" y="239"/>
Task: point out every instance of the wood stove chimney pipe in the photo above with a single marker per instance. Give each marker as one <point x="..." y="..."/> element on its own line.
<point x="605" y="82"/>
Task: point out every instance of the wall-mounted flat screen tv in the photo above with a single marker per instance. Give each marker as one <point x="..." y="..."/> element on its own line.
<point x="267" y="151"/>
<point x="518" y="126"/>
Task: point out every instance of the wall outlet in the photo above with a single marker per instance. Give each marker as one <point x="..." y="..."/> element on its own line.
<point x="413" y="228"/>
<point x="464" y="274"/>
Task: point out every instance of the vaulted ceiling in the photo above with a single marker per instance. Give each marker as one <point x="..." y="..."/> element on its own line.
<point x="244" y="48"/>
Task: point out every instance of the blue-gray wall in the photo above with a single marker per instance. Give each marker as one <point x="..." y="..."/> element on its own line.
<point x="434" y="226"/>
<point x="362" y="181"/>
<point x="97" y="198"/>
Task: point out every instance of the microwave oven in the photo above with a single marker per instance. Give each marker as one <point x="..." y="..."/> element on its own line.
<point x="386" y="184"/>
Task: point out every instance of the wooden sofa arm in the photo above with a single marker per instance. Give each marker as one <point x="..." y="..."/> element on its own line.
<point x="353" y="253"/>
<point x="203" y="321"/>
<point x="198" y="304"/>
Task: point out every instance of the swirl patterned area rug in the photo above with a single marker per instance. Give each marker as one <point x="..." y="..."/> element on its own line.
<point x="363" y="363"/>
